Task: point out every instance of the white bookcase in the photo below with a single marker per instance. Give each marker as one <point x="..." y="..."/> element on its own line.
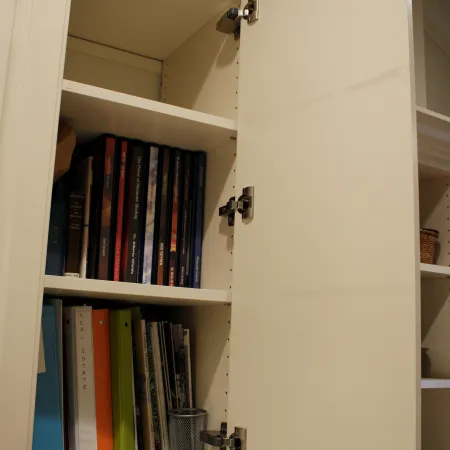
<point x="311" y="315"/>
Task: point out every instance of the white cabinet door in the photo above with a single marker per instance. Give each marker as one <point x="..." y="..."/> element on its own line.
<point x="28" y="128"/>
<point x="325" y="341"/>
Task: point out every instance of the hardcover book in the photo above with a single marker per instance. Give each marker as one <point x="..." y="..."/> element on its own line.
<point x="74" y="235"/>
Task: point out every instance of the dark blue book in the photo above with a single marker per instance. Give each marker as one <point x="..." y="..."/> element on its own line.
<point x="56" y="245"/>
<point x="47" y="433"/>
<point x="198" y="213"/>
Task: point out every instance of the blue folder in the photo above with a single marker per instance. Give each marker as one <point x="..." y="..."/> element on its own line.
<point x="47" y="434"/>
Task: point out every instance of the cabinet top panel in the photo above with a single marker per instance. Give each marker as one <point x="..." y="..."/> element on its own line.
<point x="152" y="28"/>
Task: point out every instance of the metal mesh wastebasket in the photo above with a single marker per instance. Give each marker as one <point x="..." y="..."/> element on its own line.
<point x="185" y="426"/>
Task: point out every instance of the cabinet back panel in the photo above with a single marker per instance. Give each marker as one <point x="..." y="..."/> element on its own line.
<point x="435" y="419"/>
<point x="202" y="74"/>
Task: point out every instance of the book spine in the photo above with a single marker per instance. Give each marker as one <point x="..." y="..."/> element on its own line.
<point x="164" y="218"/>
<point x="74" y="232"/>
<point x="56" y="246"/>
<point x="185" y="219"/>
<point x="165" y="367"/>
<point x="191" y="224"/>
<point x="107" y="197"/>
<point x="150" y="215"/>
<point x="120" y="209"/>
<point x="168" y="336"/>
<point x="178" y="349"/>
<point x="87" y="209"/>
<point x="159" y="378"/>
<point x="122" y="379"/>
<point x="95" y="212"/>
<point x="137" y="395"/>
<point x="153" y="389"/>
<point x="188" y="373"/>
<point x="84" y="354"/>
<point x="102" y="373"/>
<point x="134" y="214"/>
<point x="199" y="206"/>
<point x="174" y="250"/>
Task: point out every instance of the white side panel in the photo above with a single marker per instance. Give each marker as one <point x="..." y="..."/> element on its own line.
<point x="325" y="321"/>
<point x="97" y="65"/>
<point x="28" y="130"/>
<point x="419" y="53"/>
<point x="7" y="9"/>
<point x="202" y="74"/>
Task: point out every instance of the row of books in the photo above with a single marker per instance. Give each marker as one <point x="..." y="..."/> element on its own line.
<point x="111" y="377"/>
<point x="134" y="213"/>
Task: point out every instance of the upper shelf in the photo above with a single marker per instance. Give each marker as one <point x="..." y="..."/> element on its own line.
<point x="133" y="292"/>
<point x="434" y="143"/>
<point x="434" y="383"/>
<point x="434" y="271"/>
<point x="92" y="111"/>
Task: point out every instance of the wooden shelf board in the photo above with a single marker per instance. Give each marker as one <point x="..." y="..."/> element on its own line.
<point x="435" y="383"/>
<point x="434" y="271"/>
<point x="92" y="111"/>
<point x="434" y="143"/>
<point x="132" y="292"/>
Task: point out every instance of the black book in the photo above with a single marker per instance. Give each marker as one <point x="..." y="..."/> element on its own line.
<point x="108" y="214"/>
<point x="191" y="223"/>
<point x="168" y="337"/>
<point x="135" y="195"/>
<point x="185" y="220"/>
<point x="74" y="234"/>
<point x="165" y="371"/>
<point x="177" y="192"/>
<point x="164" y="217"/>
<point x="97" y="150"/>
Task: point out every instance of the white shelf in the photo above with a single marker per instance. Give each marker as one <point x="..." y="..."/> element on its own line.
<point x="434" y="143"/>
<point x="434" y="383"/>
<point x="434" y="271"/>
<point x="92" y="111"/>
<point x="132" y="292"/>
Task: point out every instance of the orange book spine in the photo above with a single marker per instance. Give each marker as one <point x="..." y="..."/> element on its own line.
<point x="102" y="371"/>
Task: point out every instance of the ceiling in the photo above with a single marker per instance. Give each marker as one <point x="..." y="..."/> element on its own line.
<point x="151" y="28"/>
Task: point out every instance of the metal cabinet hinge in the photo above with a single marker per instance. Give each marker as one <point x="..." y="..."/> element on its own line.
<point x="237" y="441"/>
<point x="230" y="22"/>
<point x="244" y="206"/>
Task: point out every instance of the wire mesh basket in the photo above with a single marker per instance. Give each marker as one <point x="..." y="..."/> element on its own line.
<point x="185" y="426"/>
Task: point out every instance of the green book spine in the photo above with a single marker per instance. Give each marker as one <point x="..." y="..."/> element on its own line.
<point x="122" y="380"/>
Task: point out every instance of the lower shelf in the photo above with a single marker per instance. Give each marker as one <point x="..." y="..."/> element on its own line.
<point x="434" y="271"/>
<point x="435" y="383"/>
<point x="137" y="293"/>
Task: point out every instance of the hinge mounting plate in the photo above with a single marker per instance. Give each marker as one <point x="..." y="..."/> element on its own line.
<point x="230" y="21"/>
<point x="237" y="441"/>
<point x="244" y="206"/>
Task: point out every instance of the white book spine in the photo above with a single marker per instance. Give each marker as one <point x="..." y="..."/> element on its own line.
<point x="87" y="207"/>
<point x="160" y="386"/>
<point x="84" y="354"/>
<point x="150" y="218"/>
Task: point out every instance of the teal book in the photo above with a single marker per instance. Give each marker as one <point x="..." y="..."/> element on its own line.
<point x="47" y="434"/>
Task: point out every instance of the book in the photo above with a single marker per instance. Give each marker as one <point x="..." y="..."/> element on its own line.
<point x="87" y="186"/>
<point x="120" y="209"/>
<point x="180" y="370"/>
<point x="150" y="215"/>
<point x="198" y="213"/>
<point x="185" y="225"/>
<point x="159" y="381"/>
<point x="108" y="207"/>
<point x="142" y="376"/>
<point x="164" y="366"/>
<point x="135" y="202"/>
<point x="177" y="188"/>
<point x="170" y="358"/>
<point x="164" y="217"/>
<point x="56" y="244"/>
<point x="138" y="437"/>
<point x="102" y="373"/>
<point x="83" y="434"/>
<point x="188" y="371"/>
<point x="122" y="379"/>
<point x="153" y="389"/>
<point x="74" y="234"/>
<point x="97" y="150"/>
<point x="48" y="429"/>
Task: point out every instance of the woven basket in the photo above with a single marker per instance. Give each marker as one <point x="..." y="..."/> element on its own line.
<point x="428" y="245"/>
